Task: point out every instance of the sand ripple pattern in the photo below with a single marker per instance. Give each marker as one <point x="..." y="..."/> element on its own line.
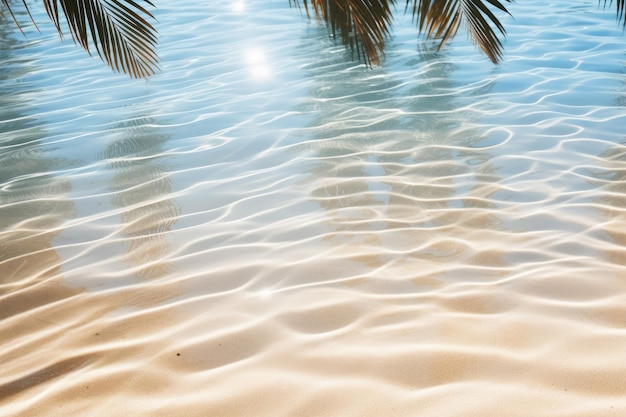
<point x="268" y="229"/>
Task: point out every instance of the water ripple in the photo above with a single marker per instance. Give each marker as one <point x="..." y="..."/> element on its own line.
<point x="291" y="233"/>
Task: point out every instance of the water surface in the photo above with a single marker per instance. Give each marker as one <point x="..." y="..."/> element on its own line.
<point x="268" y="228"/>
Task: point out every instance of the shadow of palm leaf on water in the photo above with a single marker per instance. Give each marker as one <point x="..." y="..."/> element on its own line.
<point x="53" y="332"/>
<point x="400" y="168"/>
<point x="610" y="177"/>
<point x="33" y="201"/>
<point x="142" y="189"/>
<point x="33" y="207"/>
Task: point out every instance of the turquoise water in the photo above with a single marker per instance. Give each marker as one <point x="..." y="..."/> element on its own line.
<point x="291" y="233"/>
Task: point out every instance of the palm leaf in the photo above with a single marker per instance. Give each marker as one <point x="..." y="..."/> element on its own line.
<point x="621" y="9"/>
<point x="117" y="29"/>
<point x="442" y="19"/>
<point x="7" y="6"/>
<point x="363" y="25"/>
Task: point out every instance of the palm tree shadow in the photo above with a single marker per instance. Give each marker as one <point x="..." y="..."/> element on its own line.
<point x="33" y="203"/>
<point x="142" y="187"/>
<point x="389" y="153"/>
<point x="611" y="201"/>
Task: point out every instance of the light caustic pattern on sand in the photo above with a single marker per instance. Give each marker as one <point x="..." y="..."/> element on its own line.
<point x="268" y="229"/>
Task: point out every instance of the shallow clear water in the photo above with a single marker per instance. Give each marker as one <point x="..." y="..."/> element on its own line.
<point x="267" y="228"/>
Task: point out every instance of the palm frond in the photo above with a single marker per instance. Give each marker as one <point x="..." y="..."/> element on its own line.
<point x="363" y="25"/>
<point x="621" y="9"/>
<point x="117" y="29"/>
<point x="441" y="19"/>
<point x="7" y="5"/>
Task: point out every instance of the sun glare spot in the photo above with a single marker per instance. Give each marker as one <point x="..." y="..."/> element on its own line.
<point x="256" y="61"/>
<point x="239" y="6"/>
<point x="255" y="56"/>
